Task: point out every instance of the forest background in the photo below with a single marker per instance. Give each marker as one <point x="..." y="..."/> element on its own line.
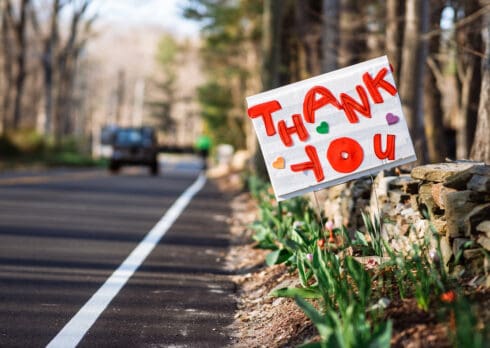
<point x="54" y="91"/>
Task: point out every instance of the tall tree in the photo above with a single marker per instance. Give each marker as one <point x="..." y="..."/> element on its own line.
<point x="50" y="43"/>
<point x="394" y="33"/>
<point x="19" y="25"/>
<point x="412" y="72"/>
<point x="66" y="67"/>
<point x="468" y="67"/>
<point x="308" y="23"/>
<point x="330" y="41"/>
<point x="8" y="63"/>
<point x="437" y="146"/>
<point x="230" y="29"/>
<point x="167" y="60"/>
<point x="271" y="43"/>
<point x="481" y="145"/>
<point x="353" y="44"/>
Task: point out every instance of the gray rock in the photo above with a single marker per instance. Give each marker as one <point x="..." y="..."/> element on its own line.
<point x="446" y="250"/>
<point x="458" y="205"/>
<point x="460" y="180"/>
<point x="397" y="196"/>
<point x="474" y="261"/>
<point x="479" y="183"/>
<point x="440" y="172"/>
<point x="458" y="244"/>
<point x="477" y="215"/>
<point x="425" y="198"/>
<point x="484" y="228"/>
<point x="439" y="191"/>
<point x="484" y="242"/>
<point x="440" y="225"/>
<point x="405" y="184"/>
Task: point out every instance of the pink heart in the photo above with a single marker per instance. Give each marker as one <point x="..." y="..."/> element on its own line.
<point x="391" y="118"/>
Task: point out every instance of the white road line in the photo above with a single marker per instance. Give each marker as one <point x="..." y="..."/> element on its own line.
<point x="79" y="325"/>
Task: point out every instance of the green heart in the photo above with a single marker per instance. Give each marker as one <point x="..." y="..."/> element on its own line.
<point x="323" y="128"/>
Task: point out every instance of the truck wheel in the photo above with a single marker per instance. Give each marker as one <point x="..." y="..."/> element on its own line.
<point x="114" y="167"/>
<point x="154" y="168"/>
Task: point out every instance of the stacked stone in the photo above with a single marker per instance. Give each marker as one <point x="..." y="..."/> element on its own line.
<point x="457" y="198"/>
<point x="450" y="201"/>
<point x="344" y="203"/>
<point x="394" y="198"/>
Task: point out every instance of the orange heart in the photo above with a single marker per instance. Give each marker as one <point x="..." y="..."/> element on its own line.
<point x="279" y="163"/>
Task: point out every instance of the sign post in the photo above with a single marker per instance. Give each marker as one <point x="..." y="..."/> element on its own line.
<point x="331" y="128"/>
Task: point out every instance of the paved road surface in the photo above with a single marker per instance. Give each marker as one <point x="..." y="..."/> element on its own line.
<point x="63" y="233"/>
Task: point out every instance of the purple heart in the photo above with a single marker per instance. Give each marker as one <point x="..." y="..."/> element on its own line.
<point x="391" y="118"/>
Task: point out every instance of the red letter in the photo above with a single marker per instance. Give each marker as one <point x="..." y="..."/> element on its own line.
<point x="351" y="106"/>
<point x="378" y="82"/>
<point x="298" y="128"/>
<point x="314" y="164"/>
<point x="390" y="147"/>
<point x="265" y="110"/>
<point x="311" y="104"/>
<point x="345" y="155"/>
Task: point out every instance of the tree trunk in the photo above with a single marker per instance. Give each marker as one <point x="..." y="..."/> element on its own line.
<point x="394" y="34"/>
<point x="437" y="145"/>
<point x="481" y="145"/>
<point x="121" y="96"/>
<point x="330" y="40"/>
<point x="412" y="72"/>
<point x="271" y="43"/>
<point x="20" y="34"/>
<point x="66" y="62"/>
<point x="271" y="50"/>
<point x="8" y="62"/>
<point x="469" y="74"/>
<point x="308" y="38"/>
<point x="50" y="45"/>
<point x="353" y="34"/>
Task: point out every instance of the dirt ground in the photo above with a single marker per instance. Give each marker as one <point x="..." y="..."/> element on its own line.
<point x="262" y="321"/>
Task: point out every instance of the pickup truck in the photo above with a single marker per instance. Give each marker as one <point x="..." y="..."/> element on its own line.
<point x="134" y="146"/>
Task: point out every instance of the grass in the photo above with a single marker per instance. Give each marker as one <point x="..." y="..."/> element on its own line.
<point x="27" y="148"/>
<point x="338" y="293"/>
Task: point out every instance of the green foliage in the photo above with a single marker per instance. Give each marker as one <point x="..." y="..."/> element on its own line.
<point x="467" y="333"/>
<point x="373" y="228"/>
<point x="167" y="59"/>
<point x="7" y="148"/>
<point x="347" y="312"/>
<point x="347" y="331"/>
<point x="311" y="292"/>
<point x="229" y="29"/>
<point x="216" y="105"/>
<point x="26" y="147"/>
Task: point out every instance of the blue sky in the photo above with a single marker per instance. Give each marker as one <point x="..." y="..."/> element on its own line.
<point x="156" y="12"/>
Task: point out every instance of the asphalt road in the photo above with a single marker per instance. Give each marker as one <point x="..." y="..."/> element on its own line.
<point x="63" y="233"/>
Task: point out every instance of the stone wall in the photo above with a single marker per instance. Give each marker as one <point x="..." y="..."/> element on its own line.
<point x="452" y="199"/>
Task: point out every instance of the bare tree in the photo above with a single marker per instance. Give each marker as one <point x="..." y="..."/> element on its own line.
<point x="19" y="27"/>
<point x="8" y="62"/>
<point x="468" y="45"/>
<point x="437" y="146"/>
<point x="66" y="65"/>
<point x="309" y="26"/>
<point x="330" y="41"/>
<point x="271" y="43"/>
<point x="394" y="33"/>
<point x="412" y="71"/>
<point x="50" y="43"/>
<point x="353" y="36"/>
<point x="481" y="145"/>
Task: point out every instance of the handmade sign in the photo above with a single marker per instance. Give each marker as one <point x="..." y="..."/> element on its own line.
<point x="331" y="128"/>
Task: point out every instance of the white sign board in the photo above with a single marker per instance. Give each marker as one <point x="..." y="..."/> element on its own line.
<point x="331" y="128"/>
